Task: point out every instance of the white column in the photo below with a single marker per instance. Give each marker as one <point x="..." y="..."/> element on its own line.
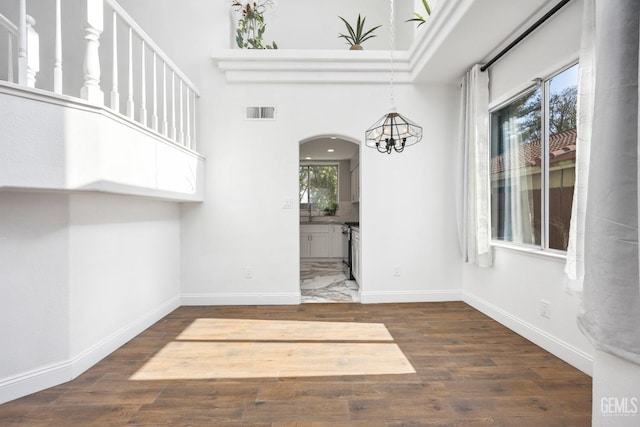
<point x="115" y="95"/>
<point x="181" y="130"/>
<point x="10" y="58"/>
<point x="165" y="125"/>
<point x="33" y="52"/>
<point x="57" y="62"/>
<point x="187" y="142"/>
<point x="143" y="87"/>
<point x="22" y="43"/>
<point x="91" y="90"/>
<point x="130" y="104"/>
<point x="194" y="143"/>
<point x="173" y="105"/>
<point x="154" y="115"/>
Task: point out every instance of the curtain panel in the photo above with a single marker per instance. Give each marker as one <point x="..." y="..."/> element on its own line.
<point x="610" y="311"/>
<point x="574" y="268"/>
<point x="474" y="194"/>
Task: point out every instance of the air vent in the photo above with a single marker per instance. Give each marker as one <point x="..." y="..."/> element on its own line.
<point x="260" y="113"/>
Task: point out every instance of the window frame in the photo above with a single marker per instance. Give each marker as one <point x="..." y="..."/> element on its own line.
<point x="544" y="84"/>
<point x="321" y="163"/>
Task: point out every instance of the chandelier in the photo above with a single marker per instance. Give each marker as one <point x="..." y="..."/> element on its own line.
<point x="393" y="132"/>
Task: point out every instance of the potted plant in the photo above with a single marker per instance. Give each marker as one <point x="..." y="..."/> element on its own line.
<point x="251" y="25"/>
<point x="330" y="209"/>
<point x="419" y="18"/>
<point x="356" y="37"/>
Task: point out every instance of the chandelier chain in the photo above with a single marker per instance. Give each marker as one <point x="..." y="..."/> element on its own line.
<point x="392" y="41"/>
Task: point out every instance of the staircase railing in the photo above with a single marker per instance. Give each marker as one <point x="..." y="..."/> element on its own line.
<point x="144" y="85"/>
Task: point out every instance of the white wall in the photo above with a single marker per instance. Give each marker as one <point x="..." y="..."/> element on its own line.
<point x="252" y="166"/>
<point x="34" y="277"/>
<point x="407" y="206"/>
<point x="241" y="222"/>
<point x="76" y="147"/>
<point x="124" y="267"/>
<point x="305" y="24"/>
<point x="80" y="275"/>
<point x="511" y="291"/>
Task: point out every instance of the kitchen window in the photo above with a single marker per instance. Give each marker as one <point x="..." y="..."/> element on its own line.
<point x="533" y="157"/>
<point x="319" y="187"/>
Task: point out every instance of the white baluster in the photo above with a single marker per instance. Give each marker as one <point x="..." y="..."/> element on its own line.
<point x="33" y="52"/>
<point x="10" y="58"/>
<point x="91" y="90"/>
<point x="154" y="116"/>
<point x="57" y="62"/>
<point x="143" y="88"/>
<point x="181" y="137"/>
<point x="193" y="132"/>
<point x="130" y="104"/>
<point x="188" y="126"/>
<point x="22" y="43"/>
<point x="115" y="95"/>
<point x="165" y="125"/>
<point x="173" y="105"/>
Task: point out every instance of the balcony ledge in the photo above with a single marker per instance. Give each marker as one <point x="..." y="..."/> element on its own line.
<point x="312" y="66"/>
<point x="57" y="142"/>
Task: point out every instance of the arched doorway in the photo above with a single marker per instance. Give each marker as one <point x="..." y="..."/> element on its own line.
<point x="329" y="184"/>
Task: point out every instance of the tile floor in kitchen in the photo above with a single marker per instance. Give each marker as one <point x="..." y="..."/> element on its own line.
<point x="326" y="282"/>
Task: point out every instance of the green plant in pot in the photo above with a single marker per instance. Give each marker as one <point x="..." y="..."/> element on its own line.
<point x="357" y="36"/>
<point x="418" y="17"/>
<point x="330" y="209"/>
<point x="251" y="25"/>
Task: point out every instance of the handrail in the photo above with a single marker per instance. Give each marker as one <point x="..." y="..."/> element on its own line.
<point x="10" y="26"/>
<point x="163" y="88"/>
<point x="150" y="43"/>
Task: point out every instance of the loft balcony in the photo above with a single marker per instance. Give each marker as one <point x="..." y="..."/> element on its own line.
<point x="88" y="102"/>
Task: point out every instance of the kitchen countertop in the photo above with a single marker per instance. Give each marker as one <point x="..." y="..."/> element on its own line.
<point x="320" y="222"/>
<point x="352" y="224"/>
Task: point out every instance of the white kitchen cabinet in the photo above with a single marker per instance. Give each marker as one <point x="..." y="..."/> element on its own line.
<point x="336" y="249"/>
<point x="314" y="241"/>
<point x="355" y="254"/>
<point x="355" y="184"/>
<point x="321" y="241"/>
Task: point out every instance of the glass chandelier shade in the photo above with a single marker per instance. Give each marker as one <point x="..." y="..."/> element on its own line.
<point x="392" y="132"/>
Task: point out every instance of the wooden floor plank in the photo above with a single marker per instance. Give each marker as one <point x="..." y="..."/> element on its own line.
<point x="469" y="371"/>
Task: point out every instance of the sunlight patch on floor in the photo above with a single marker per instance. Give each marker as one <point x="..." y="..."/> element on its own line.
<point x="283" y="330"/>
<point x="243" y="348"/>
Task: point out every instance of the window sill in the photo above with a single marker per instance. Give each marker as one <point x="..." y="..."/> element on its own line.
<point x="532" y="251"/>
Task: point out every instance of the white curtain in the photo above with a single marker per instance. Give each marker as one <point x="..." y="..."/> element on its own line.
<point x="610" y="311"/>
<point x="574" y="268"/>
<point x="519" y="181"/>
<point x="474" y="193"/>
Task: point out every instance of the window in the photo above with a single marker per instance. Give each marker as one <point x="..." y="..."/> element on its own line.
<point x="319" y="187"/>
<point x="533" y="156"/>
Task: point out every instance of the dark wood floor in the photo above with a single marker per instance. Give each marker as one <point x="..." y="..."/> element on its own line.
<point x="470" y="371"/>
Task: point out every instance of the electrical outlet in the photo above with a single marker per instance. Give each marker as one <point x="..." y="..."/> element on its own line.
<point x="287" y="203"/>
<point x="545" y="309"/>
<point x="396" y="270"/>
<point x="248" y="272"/>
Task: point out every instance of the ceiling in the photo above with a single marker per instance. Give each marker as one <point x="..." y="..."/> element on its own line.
<point x="473" y="31"/>
<point x="317" y="149"/>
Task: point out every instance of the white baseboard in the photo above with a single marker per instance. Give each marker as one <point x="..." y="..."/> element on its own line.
<point x="565" y="351"/>
<point x="52" y="375"/>
<point x="241" y="299"/>
<point x="34" y="381"/>
<point x="410" y="296"/>
<point x="102" y="349"/>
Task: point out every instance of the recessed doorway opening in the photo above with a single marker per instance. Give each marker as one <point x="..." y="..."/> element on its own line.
<point x="329" y="184"/>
